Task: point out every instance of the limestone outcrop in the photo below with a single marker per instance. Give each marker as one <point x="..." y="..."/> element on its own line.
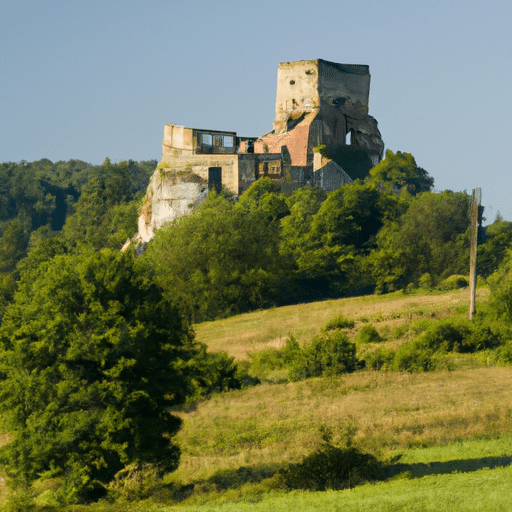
<point x="170" y="194"/>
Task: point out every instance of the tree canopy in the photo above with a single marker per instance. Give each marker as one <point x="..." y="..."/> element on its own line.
<point x="399" y="170"/>
<point x="92" y="357"/>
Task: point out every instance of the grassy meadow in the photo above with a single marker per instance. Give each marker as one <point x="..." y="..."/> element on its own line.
<point x="445" y="436"/>
<point x="242" y="334"/>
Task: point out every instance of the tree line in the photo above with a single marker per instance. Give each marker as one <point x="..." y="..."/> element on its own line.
<point x="37" y="198"/>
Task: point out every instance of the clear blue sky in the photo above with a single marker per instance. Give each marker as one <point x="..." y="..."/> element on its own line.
<point x="94" y="79"/>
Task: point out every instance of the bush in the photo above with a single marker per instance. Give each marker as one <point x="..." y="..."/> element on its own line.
<point x="445" y="336"/>
<point x="267" y="361"/>
<point x="338" y="322"/>
<point x="505" y="353"/>
<point x="412" y="357"/>
<point x="454" y="282"/>
<point x="480" y="337"/>
<point x="328" y="355"/>
<point x="137" y="482"/>
<point x="214" y="372"/>
<point x="425" y="281"/>
<point x="379" y="359"/>
<point x="399" y="331"/>
<point x="368" y="334"/>
<point x="331" y="467"/>
<point x="420" y="325"/>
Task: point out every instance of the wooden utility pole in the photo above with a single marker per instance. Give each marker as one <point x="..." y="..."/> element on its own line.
<point x="476" y="197"/>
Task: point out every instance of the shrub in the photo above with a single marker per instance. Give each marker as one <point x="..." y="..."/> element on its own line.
<point x="331" y="467"/>
<point x="445" y="336"/>
<point x="379" y="359"/>
<point x="420" y="325"/>
<point x="214" y="372"/>
<point x="338" y="322"/>
<point x="399" y="332"/>
<point x="425" y="281"/>
<point x="368" y="334"/>
<point x="136" y="482"/>
<point x="412" y="357"/>
<point x="454" y="282"/>
<point x="330" y="354"/>
<point x="266" y="361"/>
<point x="505" y="353"/>
<point x="480" y="337"/>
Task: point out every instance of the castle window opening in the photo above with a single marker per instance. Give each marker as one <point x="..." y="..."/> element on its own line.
<point x="206" y="139"/>
<point x="228" y="141"/>
<point x="274" y="168"/>
<point x="217" y="140"/>
<point x="348" y="138"/>
<point x="292" y="82"/>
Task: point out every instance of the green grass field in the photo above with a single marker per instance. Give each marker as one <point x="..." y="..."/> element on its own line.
<point x="445" y="436"/>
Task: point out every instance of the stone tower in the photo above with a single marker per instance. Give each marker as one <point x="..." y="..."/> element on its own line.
<point x="339" y="95"/>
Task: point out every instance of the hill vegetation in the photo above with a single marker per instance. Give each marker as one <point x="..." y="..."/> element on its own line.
<point x="330" y="340"/>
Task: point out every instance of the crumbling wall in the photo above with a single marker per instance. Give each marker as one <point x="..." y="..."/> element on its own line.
<point x="336" y="117"/>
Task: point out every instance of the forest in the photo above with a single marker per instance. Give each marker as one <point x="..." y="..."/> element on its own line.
<point x="97" y="346"/>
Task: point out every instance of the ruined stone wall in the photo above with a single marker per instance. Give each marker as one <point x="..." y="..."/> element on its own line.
<point x="297" y="90"/>
<point x="177" y="141"/>
<point x="199" y="164"/>
<point x="344" y="85"/>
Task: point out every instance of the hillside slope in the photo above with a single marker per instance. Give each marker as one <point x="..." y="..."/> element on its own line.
<point x="246" y="333"/>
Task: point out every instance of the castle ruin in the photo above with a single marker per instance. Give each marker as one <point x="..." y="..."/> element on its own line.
<point x="322" y="135"/>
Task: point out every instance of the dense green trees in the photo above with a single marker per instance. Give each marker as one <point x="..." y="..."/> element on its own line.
<point x="497" y="241"/>
<point x="232" y="256"/>
<point x="91" y="357"/>
<point x="266" y="249"/>
<point x="222" y="259"/>
<point x="106" y="213"/>
<point x="399" y="171"/>
<point x="37" y="199"/>
<point x="430" y="237"/>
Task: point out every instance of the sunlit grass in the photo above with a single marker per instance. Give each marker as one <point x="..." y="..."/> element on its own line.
<point x="250" y="332"/>
<point x="275" y="424"/>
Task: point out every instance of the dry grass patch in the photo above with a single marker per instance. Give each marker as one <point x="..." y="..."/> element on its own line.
<point x="250" y="332"/>
<point x="273" y="424"/>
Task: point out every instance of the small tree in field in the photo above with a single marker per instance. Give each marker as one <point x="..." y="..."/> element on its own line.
<point x="91" y="358"/>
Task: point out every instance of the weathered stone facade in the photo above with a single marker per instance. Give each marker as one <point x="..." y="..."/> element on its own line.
<point x="318" y="103"/>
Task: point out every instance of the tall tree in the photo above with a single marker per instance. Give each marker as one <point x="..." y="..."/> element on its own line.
<point x="222" y="259"/>
<point x="91" y="359"/>
<point x="327" y="248"/>
<point x="105" y="213"/>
